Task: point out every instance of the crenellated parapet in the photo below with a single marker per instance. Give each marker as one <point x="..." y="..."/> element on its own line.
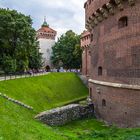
<point x="99" y="10"/>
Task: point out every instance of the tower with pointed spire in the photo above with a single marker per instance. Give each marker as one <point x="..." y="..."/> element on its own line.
<point x="45" y="24"/>
<point x="46" y="37"/>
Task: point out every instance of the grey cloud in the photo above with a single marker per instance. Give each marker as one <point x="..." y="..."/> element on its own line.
<point x="60" y="14"/>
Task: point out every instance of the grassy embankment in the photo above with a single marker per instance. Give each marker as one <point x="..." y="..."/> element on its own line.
<point x="46" y="92"/>
<point x="42" y="93"/>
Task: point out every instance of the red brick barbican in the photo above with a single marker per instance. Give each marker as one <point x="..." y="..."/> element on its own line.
<point x="115" y="60"/>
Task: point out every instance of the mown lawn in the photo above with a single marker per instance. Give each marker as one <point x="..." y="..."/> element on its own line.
<point x="17" y="123"/>
<point x="46" y="92"/>
<point x="42" y="93"/>
<point x="92" y="129"/>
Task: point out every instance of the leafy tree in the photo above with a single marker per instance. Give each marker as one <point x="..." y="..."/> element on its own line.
<point x="17" y="40"/>
<point x="78" y="55"/>
<point x="35" y="59"/>
<point x="9" y="64"/>
<point x="67" y="51"/>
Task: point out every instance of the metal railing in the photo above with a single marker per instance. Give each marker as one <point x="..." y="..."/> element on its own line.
<point x="11" y="76"/>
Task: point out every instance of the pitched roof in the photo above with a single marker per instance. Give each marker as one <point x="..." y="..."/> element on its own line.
<point x="46" y="29"/>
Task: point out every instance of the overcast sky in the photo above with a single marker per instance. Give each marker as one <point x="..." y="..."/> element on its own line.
<point x="61" y="15"/>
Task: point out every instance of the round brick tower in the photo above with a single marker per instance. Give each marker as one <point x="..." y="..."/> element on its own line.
<point x="115" y="60"/>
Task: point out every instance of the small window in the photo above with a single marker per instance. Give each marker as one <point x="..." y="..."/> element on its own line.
<point x="89" y="1"/>
<point x="91" y="37"/>
<point x="90" y="89"/>
<point x="100" y="71"/>
<point x="90" y="92"/>
<point x="103" y="102"/>
<point x="123" y="22"/>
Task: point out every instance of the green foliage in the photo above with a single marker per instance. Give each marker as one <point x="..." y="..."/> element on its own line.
<point x="17" y="40"/>
<point x="134" y="137"/>
<point x="92" y="129"/>
<point x="78" y="55"/>
<point x="8" y="64"/>
<point x="67" y="50"/>
<point x="35" y="59"/>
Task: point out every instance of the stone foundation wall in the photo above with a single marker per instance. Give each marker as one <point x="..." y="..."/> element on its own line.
<point x="66" y="114"/>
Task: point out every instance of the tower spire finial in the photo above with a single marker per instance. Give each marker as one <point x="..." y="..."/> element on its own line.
<point x="45" y="24"/>
<point x="44" y="18"/>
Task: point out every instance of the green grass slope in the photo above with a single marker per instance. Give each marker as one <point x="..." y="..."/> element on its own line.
<point x="45" y="92"/>
<point x="92" y="129"/>
<point x="17" y="123"/>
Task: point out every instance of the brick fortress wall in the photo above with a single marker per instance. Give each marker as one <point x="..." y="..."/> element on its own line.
<point x="85" y="45"/>
<point x="115" y="59"/>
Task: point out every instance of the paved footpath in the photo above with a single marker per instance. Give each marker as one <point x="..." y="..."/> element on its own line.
<point x="3" y="78"/>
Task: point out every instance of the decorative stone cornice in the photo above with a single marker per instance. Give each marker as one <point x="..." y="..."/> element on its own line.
<point x="131" y="2"/>
<point x="119" y="4"/>
<point x="87" y="26"/>
<point x="98" y="16"/>
<point x="96" y="21"/>
<point x="110" y="8"/>
<point x="93" y="24"/>
<point x="90" y="19"/>
<point x="104" y="12"/>
<point x="115" y="85"/>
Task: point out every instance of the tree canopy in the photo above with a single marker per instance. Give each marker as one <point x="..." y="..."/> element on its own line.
<point x="18" y="45"/>
<point x="67" y="51"/>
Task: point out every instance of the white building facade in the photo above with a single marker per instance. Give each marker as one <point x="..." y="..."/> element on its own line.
<point x="46" y="37"/>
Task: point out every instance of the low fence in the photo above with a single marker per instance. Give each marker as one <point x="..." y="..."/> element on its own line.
<point x="20" y="75"/>
<point x="30" y="74"/>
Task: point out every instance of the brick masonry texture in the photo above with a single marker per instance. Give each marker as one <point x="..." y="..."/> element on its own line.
<point x="46" y="33"/>
<point x="85" y="45"/>
<point x="66" y="114"/>
<point x="116" y="50"/>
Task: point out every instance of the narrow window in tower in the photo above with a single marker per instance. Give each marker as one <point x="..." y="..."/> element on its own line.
<point x="123" y="22"/>
<point x="103" y="102"/>
<point x="100" y="71"/>
<point x="90" y="92"/>
<point x="89" y="1"/>
<point x="91" y="37"/>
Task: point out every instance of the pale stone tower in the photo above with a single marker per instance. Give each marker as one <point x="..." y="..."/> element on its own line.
<point x="46" y="37"/>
